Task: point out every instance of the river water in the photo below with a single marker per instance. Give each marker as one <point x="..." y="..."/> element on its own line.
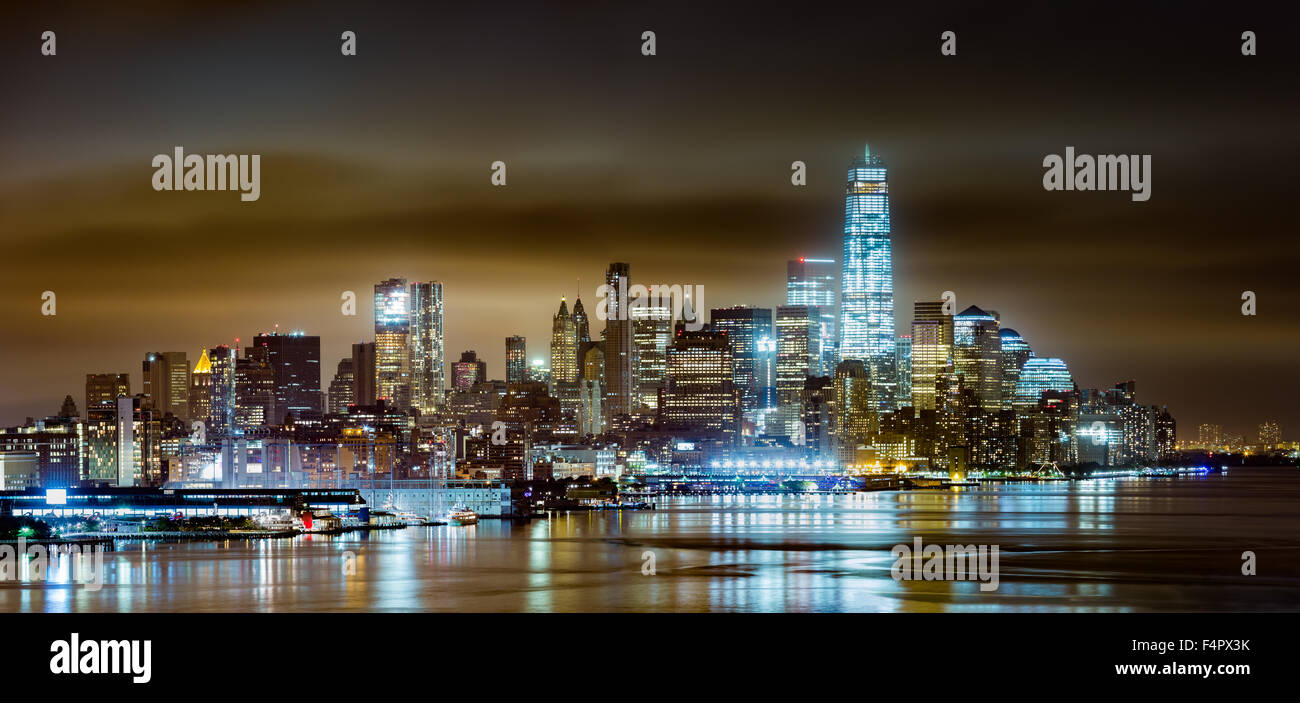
<point x="1167" y="544"/>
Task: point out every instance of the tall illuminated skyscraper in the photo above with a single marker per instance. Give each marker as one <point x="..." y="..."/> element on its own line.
<point x="1015" y="352"/>
<point x="166" y="377"/>
<point x="427" y="347"/>
<point x="564" y="346"/>
<point x="392" y="342"/>
<point x="745" y="326"/>
<point x="977" y="355"/>
<point x="221" y="391"/>
<point x="812" y="282"/>
<point x="619" y="350"/>
<point x="652" y="332"/>
<point x="867" y="295"/>
<point x="516" y="359"/>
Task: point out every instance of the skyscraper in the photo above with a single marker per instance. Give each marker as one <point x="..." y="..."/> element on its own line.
<point x="564" y="346"/>
<point x="867" y="295"/>
<point x="619" y="350"/>
<point x="699" y="393"/>
<point x="977" y="355"/>
<point x="580" y="323"/>
<point x="103" y="389"/>
<point x="342" y="388"/>
<point x="392" y="342"/>
<point x="1040" y="374"/>
<point x="468" y="371"/>
<point x="1015" y="352"/>
<point x="745" y="327"/>
<point x="294" y="360"/>
<point x="201" y="389"/>
<point x="798" y="356"/>
<point x="652" y="332"/>
<point x="812" y="282"/>
<point x="166" y="377"/>
<point x="517" y="359"/>
<point x="363" y="373"/>
<point x="427" y="347"/>
<point x="221" y="420"/>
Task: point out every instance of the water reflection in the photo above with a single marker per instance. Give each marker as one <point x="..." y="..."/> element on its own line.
<point x="1126" y="545"/>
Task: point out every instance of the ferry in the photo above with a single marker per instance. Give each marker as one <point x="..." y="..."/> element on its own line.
<point x="461" y="515"/>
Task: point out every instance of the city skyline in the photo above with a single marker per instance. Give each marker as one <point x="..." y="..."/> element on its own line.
<point x="638" y="159"/>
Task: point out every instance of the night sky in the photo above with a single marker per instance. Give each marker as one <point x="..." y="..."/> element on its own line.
<point x="378" y="165"/>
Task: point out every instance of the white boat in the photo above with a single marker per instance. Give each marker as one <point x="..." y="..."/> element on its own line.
<point x="460" y="515"/>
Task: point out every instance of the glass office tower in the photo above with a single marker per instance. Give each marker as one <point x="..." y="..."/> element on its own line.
<point x="812" y="282"/>
<point x="867" y="296"/>
<point x="427" y="346"/>
<point x="392" y="342"/>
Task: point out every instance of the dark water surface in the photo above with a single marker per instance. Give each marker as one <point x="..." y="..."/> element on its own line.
<point x="1107" y="545"/>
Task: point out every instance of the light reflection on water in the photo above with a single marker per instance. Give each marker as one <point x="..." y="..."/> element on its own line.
<point x="1115" y="545"/>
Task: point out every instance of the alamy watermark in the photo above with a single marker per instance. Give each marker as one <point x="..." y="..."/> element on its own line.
<point x="1101" y="172"/>
<point x="33" y="563"/>
<point x="954" y="562"/>
<point x="657" y="301"/>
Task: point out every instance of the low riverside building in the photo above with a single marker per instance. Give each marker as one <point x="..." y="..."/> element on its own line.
<point x="149" y="502"/>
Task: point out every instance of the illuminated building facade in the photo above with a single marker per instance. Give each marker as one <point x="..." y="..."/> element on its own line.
<point x="516" y="359"/>
<point x="427" y="347"/>
<point x="812" y="282"/>
<point x="294" y="361"/>
<point x="1040" y="374"/>
<point x="221" y="417"/>
<point x="700" y="391"/>
<point x="103" y="389"/>
<point x="392" y="342"/>
<point x="619" y="350"/>
<point x="977" y="355"/>
<point x="166" y="377"/>
<point x="342" y="388"/>
<point x="745" y="327"/>
<point x="564" y="346"/>
<point x="652" y="331"/>
<point x="468" y="371"/>
<point x="201" y="389"/>
<point x="867" y="278"/>
<point x="1015" y="352"/>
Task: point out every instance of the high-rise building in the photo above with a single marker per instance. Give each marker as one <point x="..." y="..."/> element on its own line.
<point x="930" y="355"/>
<point x="201" y="390"/>
<point x="867" y="279"/>
<point x="1166" y="435"/>
<point x="745" y="327"/>
<point x="813" y="282"/>
<point x="343" y="388"/>
<point x="903" y="364"/>
<point x="1015" y="352"/>
<point x="1269" y="435"/>
<point x="1209" y="436"/>
<point x="254" y="390"/>
<point x="699" y="392"/>
<point x="517" y="359"/>
<point x="977" y="355"/>
<point x="427" y="347"/>
<point x="1039" y="375"/>
<point x="798" y="355"/>
<point x="103" y="389"/>
<point x="619" y="350"/>
<point x="564" y="346"/>
<point x="856" y="418"/>
<point x="652" y="332"/>
<point x="294" y="360"/>
<point x="363" y="374"/>
<point x="468" y="371"/>
<point x="221" y="416"/>
<point x="580" y="322"/>
<point x="393" y="342"/>
<point x="166" y="377"/>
